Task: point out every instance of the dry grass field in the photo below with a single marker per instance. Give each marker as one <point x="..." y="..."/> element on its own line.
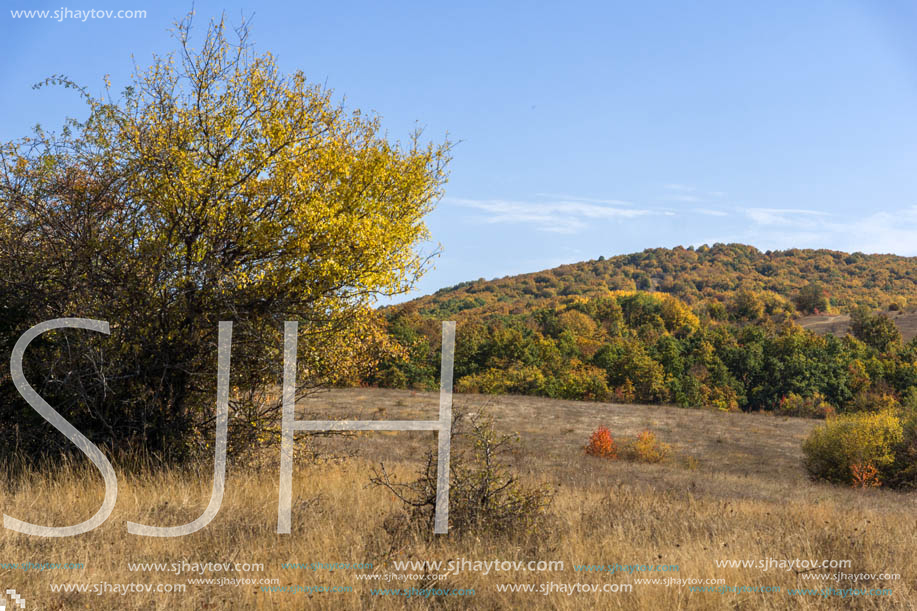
<point x="839" y="324"/>
<point x="734" y="489"/>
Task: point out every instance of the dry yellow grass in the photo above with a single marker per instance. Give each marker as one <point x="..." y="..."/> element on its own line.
<point x="839" y="324"/>
<point x="744" y="496"/>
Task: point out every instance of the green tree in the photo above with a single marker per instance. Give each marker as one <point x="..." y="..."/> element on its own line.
<point x="811" y="299"/>
<point x="875" y="330"/>
<point x="747" y="305"/>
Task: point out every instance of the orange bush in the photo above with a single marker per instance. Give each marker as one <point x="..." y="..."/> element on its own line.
<point x="864" y="476"/>
<point x="602" y="444"/>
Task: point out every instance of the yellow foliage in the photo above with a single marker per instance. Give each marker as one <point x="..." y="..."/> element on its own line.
<point x="865" y="438"/>
<point x="677" y="315"/>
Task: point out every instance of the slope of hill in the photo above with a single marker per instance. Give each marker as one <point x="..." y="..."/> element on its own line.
<point x="713" y="272"/>
<point x="713" y="327"/>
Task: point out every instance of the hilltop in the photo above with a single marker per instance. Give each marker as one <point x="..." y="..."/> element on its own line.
<point x="715" y="273"/>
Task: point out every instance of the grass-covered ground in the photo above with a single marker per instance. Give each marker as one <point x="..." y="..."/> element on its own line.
<point x="733" y="489"/>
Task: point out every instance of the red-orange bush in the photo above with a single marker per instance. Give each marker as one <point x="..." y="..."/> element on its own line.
<point x="864" y="476"/>
<point x="602" y="444"/>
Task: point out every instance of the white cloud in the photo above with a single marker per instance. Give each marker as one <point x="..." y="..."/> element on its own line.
<point x="687" y="193"/>
<point x="591" y="200"/>
<point x="795" y="217"/>
<point x="878" y="232"/>
<point x="562" y="216"/>
<point x="710" y="212"/>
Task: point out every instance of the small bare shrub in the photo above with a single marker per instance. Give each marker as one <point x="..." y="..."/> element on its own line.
<point x="485" y="495"/>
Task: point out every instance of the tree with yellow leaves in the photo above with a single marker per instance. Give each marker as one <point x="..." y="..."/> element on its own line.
<point x="213" y="188"/>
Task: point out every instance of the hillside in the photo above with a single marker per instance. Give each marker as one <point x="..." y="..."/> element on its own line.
<point x="727" y="327"/>
<point x="704" y="273"/>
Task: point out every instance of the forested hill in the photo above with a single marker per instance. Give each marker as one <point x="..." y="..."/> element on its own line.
<point x="717" y="326"/>
<point x="715" y="273"/>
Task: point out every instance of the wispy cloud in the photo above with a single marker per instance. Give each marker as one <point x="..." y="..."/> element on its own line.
<point x="710" y="212"/>
<point x="591" y="200"/>
<point x="795" y="217"/>
<point x="690" y="194"/>
<point x="880" y="232"/>
<point x="561" y="216"/>
<point x="892" y="231"/>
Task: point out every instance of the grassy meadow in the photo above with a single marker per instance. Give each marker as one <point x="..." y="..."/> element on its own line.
<point x="733" y="489"/>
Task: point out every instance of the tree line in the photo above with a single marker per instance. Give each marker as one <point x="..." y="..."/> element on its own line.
<point x="648" y="347"/>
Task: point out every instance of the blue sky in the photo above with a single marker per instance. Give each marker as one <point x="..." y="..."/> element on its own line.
<point x="585" y="129"/>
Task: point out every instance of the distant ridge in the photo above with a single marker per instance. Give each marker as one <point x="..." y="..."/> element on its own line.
<point x="704" y="273"/>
